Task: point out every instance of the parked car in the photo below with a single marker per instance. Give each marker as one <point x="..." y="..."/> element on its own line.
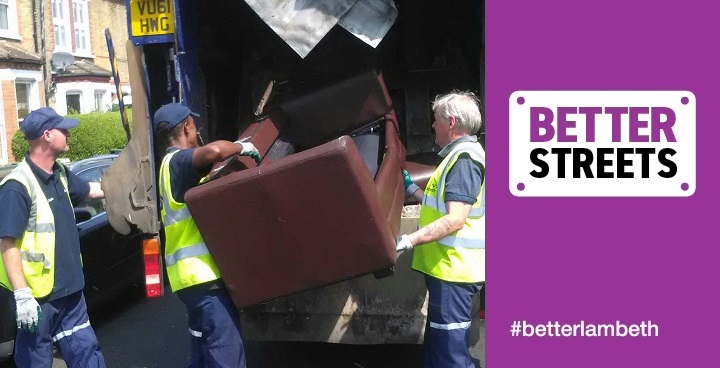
<point x="5" y="169"/>
<point x="7" y="324"/>
<point x="112" y="263"/>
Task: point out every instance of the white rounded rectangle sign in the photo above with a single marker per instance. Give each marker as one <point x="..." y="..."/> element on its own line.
<point x="602" y="143"/>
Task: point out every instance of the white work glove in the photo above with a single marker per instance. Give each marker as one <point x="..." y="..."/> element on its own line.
<point x="248" y="149"/>
<point x="403" y="244"/>
<point x="28" y="310"/>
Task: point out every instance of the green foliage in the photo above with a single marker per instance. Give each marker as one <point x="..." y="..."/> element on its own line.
<point x="97" y="133"/>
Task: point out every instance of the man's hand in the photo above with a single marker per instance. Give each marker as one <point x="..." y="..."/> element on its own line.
<point x="248" y="149"/>
<point x="403" y="244"/>
<point x="28" y="310"/>
<point x="410" y="187"/>
<point x="408" y="180"/>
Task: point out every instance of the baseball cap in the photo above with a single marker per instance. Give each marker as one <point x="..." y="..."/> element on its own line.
<point x="42" y="119"/>
<point x="173" y="114"/>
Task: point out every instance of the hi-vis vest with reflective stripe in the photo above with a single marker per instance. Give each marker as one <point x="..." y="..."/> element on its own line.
<point x="460" y="256"/>
<point x="37" y="244"/>
<point x="187" y="259"/>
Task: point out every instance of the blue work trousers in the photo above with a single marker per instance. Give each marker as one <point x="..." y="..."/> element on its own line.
<point x="447" y="331"/>
<point x="64" y="322"/>
<point x="214" y="326"/>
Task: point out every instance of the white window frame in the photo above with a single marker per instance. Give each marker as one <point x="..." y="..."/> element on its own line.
<point x="30" y="87"/>
<point x="99" y="100"/>
<point x="61" y="22"/>
<point x="12" y="30"/>
<point x="75" y="92"/>
<point x="31" y="77"/>
<point x="13" y="75"/>
<point x="81" y="30"/>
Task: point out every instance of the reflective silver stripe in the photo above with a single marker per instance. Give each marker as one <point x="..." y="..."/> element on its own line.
<point x="30" y="184"/>
<point x="450" y="326"/>
<point x="195" y="333"/>
<point x="35" y="257"/>
<point x="33" y="218"/>
<point x="456" y="242"/>
<point x="70" y="332"/>
<point x="32" y="256"/>
<point x="434" y="202"/>
<point x="478" y="209"/>
<point x="24" y="171"/>
<point x="477" y="212"/>
<point x="456" y="152"/>
<point x="172" y="217"/>
<point x="194" y="250"/>
<point x="43" y="228"/>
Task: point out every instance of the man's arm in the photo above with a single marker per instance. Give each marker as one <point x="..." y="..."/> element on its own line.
<point x="214" y="152"/>
<point x="462" y="187"/>
<point x="418" y="195"/>
<point x="27" y="310"/>
<point x="444" y="226"/>
<point x="13" y="264"/>
<point x="411" y="189"/>
<point x="95" y="191"/>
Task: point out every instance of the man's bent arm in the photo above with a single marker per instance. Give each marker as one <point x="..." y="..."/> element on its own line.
<point x="95" y="191"/>
<point x="453" y="221"/>
<point x="418" y="195"/>
<point x="214" y="152"/>
<point x="13" y="263"/>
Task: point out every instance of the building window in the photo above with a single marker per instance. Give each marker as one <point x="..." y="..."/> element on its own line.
<point x="73" y="102"/>
<point x="82" y="26"/>
<point x="4" y="17"/>
<point x="22" y="93"/>
<point x="8" y="19"/>
<point x="61" y="25"/>
<point x="99" y="101"/>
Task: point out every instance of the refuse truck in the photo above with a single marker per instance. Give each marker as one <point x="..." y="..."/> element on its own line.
<point x="247" y="66"/>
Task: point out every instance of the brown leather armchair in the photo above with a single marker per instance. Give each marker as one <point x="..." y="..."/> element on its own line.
<point x="327" y="212"/>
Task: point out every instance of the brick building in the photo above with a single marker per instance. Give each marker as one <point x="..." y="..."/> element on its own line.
<point x="35" y="32"/>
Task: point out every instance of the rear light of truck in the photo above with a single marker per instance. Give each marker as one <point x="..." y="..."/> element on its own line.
<point x="153" y="268"/>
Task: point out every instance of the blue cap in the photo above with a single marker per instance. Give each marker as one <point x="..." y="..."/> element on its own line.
<point x="42" y="119"/>
<point x="172" y="113"/>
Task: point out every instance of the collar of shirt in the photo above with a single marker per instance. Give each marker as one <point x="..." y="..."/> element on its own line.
<point x="466" y="138"/>
<point x="40" y="173"/>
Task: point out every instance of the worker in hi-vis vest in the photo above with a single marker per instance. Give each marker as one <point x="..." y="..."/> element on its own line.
<point x="213" y="320"/>
<point x="41" y="261"/>
<point x="449" y="246"/>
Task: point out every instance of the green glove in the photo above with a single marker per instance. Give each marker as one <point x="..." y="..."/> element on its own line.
<point x="410" y="187"/>
<point x="255" y="155"/>
<point x="408" y="181"/>
<point x="248" y="149"/>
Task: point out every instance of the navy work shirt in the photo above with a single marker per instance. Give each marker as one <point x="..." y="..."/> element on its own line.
<point x="15" y="214"/>
<point x="465" y="177"/>
<point x="183" y="175"/>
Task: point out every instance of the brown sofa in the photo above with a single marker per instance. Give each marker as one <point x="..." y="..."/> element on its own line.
<point x="327" y="212"/>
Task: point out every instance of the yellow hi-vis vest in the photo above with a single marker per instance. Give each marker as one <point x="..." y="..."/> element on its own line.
<point x="37" y="244"/>
<point x="460" y="256"/>
<point x="187" y="259"/>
